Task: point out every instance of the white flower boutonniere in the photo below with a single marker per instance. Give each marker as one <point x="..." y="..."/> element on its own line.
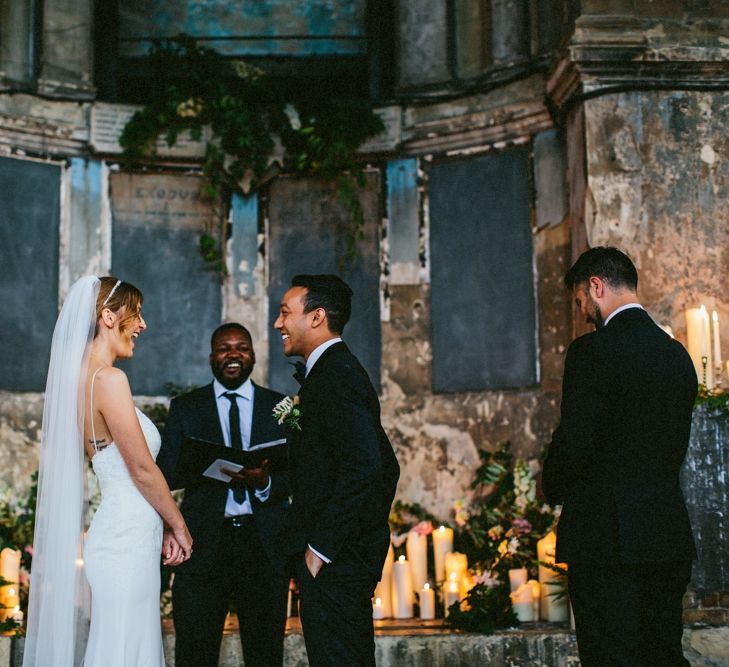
<point x="287" y="411"/>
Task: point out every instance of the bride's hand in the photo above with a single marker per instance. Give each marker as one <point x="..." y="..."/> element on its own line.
<point x="184" y="540"/>
<point x="171" y="551"/>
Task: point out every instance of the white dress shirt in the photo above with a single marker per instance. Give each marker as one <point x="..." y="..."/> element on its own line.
<point x="245" y="408"/>
<point x="620" y="310"/>
<point x="313" y="358"/>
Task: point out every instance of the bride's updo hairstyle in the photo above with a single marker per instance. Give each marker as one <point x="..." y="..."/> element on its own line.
<point x="117" y="295"/>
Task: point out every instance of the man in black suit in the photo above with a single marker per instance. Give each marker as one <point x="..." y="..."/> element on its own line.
<point x="344" y="473"/>
<point x="614" y="463"/>
<point x="237" y="527"/>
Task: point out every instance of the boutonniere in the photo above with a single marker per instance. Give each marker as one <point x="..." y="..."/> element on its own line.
<point x="287" y="411"/>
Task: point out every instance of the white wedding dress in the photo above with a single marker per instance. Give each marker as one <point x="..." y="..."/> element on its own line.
<point x="122" y="559"/>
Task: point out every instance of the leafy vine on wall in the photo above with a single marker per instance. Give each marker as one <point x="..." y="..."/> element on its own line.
<point x="253" y="128"/>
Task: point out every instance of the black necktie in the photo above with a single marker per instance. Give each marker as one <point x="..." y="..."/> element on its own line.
<point x="300" y="373"/>
<point x="236" y="441"/>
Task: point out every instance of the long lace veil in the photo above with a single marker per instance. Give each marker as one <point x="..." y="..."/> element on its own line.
<point x="58" y="609"/>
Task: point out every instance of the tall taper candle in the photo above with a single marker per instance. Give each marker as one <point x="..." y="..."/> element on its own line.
<point x="717" y="340"/>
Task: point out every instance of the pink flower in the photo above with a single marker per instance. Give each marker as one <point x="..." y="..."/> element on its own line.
<point x="29" y="550"/>
<point x="521" y="527"/>
<point x="23" y="577"/>
<point x="486" y="579"/>
<point x="423" y="528"/>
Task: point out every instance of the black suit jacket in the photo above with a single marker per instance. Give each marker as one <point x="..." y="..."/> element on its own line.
<point x="343" y="468"/>
<point x="614" y="460"/>
<point x="195" y="414"/>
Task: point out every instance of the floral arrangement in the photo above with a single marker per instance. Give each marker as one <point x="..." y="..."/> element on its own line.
<point x="498" y="531"/>
<point x="288" y="412"/>
<point x="17" y="523"/>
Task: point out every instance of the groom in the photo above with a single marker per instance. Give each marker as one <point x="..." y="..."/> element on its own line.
<point x="343" y="476"/>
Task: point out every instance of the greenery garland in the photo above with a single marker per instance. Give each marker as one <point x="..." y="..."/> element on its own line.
<point x="252" y="127"/>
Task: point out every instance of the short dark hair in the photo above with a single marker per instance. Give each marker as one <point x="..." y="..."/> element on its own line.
<point x="329" y="292"/>
<point x="609" y="264"/>
<point x="229" y="326"/>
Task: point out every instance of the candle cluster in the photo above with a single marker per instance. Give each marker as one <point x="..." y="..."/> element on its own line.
<point x="704" y="345"/>
<point x="395" y="595"/>
<point x="9" y="594"/>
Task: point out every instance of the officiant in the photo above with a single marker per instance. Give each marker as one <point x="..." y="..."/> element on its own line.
<point x="236" y="526"/>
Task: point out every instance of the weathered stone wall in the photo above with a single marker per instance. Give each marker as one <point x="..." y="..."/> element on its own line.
<point x="658" y="177"/>
<point x="437" y="436"/>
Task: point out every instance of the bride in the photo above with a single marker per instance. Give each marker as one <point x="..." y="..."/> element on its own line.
<point x="89" y="409"/>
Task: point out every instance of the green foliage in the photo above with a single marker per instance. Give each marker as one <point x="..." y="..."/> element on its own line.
<point x="713" y="399"/>
<point x="404" y="516"/>
<point x="486" y="609"/>
<point x="256" y="128"/>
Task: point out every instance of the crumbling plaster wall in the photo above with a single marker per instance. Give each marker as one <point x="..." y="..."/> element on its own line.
<point x="437" y="436"/>
<point x="658" y="182"/>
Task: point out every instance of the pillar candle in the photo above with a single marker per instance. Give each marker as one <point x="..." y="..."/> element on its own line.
<point x="10" y="571"/>
<point x="402" y="589"/>
<point x="452" y="594"/>
<point x="378" y="612"/>
<point x="10" y="564"/>
<point x="522" y="603"/>
<point x="517" y="577"/>
<point x="384" y="586"/>
<point x="442" y="544"/>
<point x="457" y="564"/>
<point x="416" y="548"/>
<point x="536" y="597"/>
<point x="550" y="609"/>
<point x="697" y="342"/>
<point x="427" y="603"/>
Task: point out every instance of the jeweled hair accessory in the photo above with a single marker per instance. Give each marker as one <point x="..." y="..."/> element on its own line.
<point x="111" y="294"/>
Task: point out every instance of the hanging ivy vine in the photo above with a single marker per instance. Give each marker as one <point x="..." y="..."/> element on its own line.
<point x="252" y="127"/>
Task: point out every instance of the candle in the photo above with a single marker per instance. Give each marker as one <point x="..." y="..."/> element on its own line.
<point x="402" y="589"/>
<point x="10" y="571"/>
<point x="416" y="548"/>
<point x="517" y="577"/>
<point x="697" y="343"/>
<point x="536" y="597"/>
<point x="452" y="594"/>
<point x="522" y="602"/>
<point x="717" y="339"/>
<point x="456" y="567"/>
<point x="378" y="613"/>
<point x="550" y="609"/>
<point x="384" y="586"/>
<point x="442" y="544"/>
<point x="427" y="603"/>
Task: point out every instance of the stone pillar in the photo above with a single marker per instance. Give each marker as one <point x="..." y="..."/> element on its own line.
<point x="706" y="490"/>
<point x="66" y="68"/>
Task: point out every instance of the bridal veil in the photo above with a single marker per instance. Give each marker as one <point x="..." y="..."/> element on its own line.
<point x="58" y="610"/>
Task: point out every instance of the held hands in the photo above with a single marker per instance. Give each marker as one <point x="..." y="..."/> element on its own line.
<point x="254" y="478"/>
<point x="176" y="545"/>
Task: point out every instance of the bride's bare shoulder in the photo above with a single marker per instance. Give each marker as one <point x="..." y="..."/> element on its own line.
<point x="111" y="379"/>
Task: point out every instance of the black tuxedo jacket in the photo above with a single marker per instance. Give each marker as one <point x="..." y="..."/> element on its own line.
<point x="343" y="468"/>
<point x="614" y="460"/>
<point x="195" y="414"/>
